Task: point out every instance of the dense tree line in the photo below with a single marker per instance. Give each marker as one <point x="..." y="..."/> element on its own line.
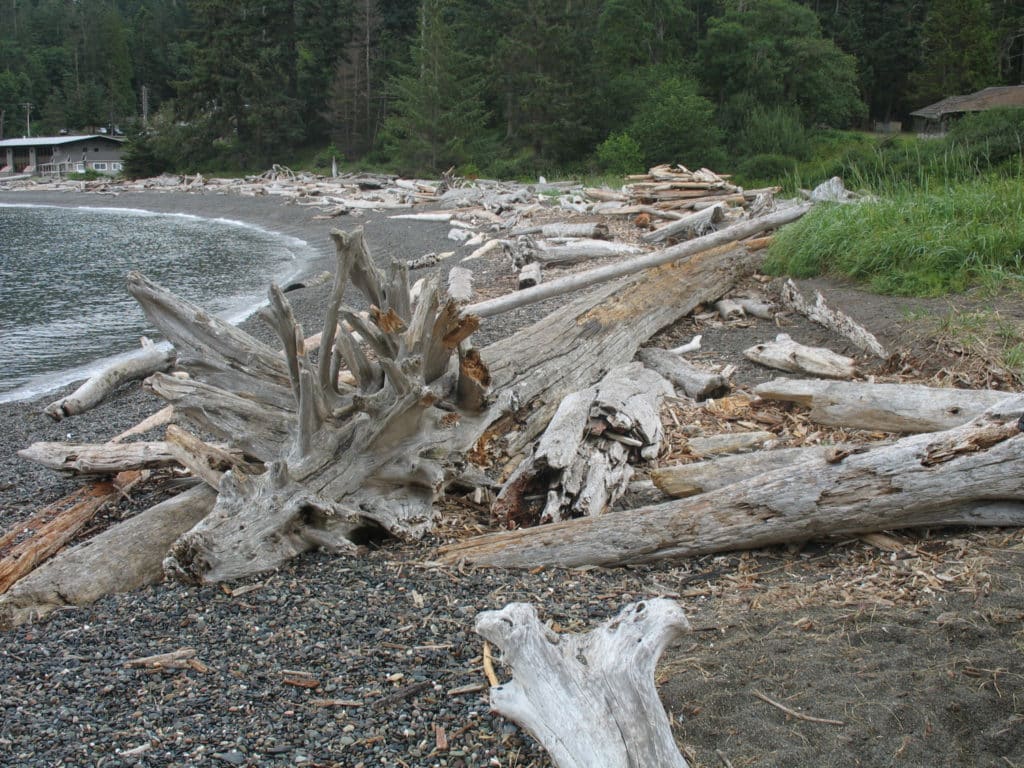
<point x="506" y="86"/>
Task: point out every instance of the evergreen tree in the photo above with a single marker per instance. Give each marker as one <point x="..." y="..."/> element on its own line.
<point x="959" y="54"/>
<point x="437" y="111"/>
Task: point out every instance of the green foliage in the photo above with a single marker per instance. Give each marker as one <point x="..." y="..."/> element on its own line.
<point x="765" y="169"/>
<point x="958" y="46"/>
<point x="676" y="125"/>
<point x="776" y="131"/>
<point x="913" y="243"/>
<point x="993" y="139"/>
<point x="621" y="154"/>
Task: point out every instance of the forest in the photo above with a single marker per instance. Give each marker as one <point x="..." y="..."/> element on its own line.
<point x="489" y="86"/>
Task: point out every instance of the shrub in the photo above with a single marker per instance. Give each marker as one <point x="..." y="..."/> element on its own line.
<point x="774" y="131"/>
<point x="990" y="138"/>
<point x="620" y="154"/>
<point x="676" y="125"/>
<point x="769" y="168"/>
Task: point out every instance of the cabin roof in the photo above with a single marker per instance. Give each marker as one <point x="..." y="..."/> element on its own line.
<point x="51" y="141"/>
<point x="986" y="98"/>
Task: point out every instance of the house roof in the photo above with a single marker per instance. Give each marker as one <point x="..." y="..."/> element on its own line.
<point x="52" y="141"/>
<point x="986" y="98"/>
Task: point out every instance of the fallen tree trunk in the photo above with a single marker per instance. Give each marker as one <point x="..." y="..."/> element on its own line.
<point x="694" y="225"/>
<point x="149" y="360"/>
<point x="348" y="462"/>
<point x="581" y="250"/>
<point x="682" y="480"/>
<point x="906" y="408"/>
<point x="784" y="354"/>
<point x="969" y="475"/>
<point x="590" y="699"/>
<point x="593" y="231"/>
<point x="122" y="558"/>
<point x="581" y="465"/>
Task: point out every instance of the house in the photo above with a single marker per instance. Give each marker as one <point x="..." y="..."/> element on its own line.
<point x="935" y="118"/>
<point x="55" y="155"/>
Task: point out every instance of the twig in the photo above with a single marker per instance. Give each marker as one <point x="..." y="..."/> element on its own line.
<point x="794" y="713"/>
<point x="489" y="666"/>
<point x="723" y="758"/>
<point x="402" y="693"/>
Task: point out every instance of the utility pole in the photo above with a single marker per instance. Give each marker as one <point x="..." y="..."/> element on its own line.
<point x="145" y="105"/>
<point x="28" y="119"/>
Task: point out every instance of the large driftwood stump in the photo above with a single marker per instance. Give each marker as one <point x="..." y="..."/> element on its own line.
<point x="589" y="699"/>
<point x="347" y="463"/>
<point x="969" y="475"/>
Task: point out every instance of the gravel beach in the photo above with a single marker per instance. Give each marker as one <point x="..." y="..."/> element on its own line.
<point x="911" y="645"/>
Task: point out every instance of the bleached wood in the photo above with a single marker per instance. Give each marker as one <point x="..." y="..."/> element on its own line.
<point x="729" y="310"/>
<point x="728" y="442"/>
<point x="833" y="319"/>
<point x="585" y="230"/>
<point x="693" y="345"/>
<point x="124" y="557"/>
<point x="99" y="458"/>
<point x="683" y="374"/>
<point x="905" y="408"/>
<point x="603" y="274"/>
<point x="785" y="354"/>
<point x="581" y="464"/>
<point x="694" y="225"/>
<point x="150" y="359"/>
<point x="205" y="461"/>
<point x="589" y="700"/>
<point x="968" y="475"/>
<point x="460" y="285"/>
<point x="576" y="251"/>
<point x="756" y="308"/>
<point x="682" y="480"/>
<point x="530" y="275"/>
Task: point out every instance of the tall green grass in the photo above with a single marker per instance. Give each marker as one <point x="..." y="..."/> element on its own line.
<point x="914" y="241"/>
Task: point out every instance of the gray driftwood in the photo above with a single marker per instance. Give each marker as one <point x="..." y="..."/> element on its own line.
<point x="693" y="225"/>
<point x="148" y="360"/>
<point x="904" y="408"/>
<point x="784" y="354"/>
<point x="682" y="480"/>
<point x="833" y="319"/>
<point x="347" y="462"/>
<point x="99" y="458"/>
<point x="530" y="275"/>
<point x="591" y="231"/>
<point x="684" y="375"/>
<point x="590" y="699"/>
<point x="122" y="558"/>
<point x="728" y="442"/>
<point x="581" y="464"/>
<point x="968" y="475"/>
<point x="576" y="251"/>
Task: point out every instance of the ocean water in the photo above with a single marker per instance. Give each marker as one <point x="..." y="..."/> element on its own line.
<point x="64" y="307"/>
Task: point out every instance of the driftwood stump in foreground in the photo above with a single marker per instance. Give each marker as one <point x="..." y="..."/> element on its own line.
<point x="589" y="699"/>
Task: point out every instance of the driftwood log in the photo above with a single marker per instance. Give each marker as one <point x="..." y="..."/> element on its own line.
<point x="581" y="464"/>
<point x="99" y="458"/>
<point x="693" y="225"/>
<point x="684" y="375"/>
<point x="150" y="359"/>
<point x="347" y="463"/>
<point x="590" y="699"/>
<point x="833" y="319"/>
<point x="784" y="354"/>
<point x="906" y="408"/>
<point x="968" y="475"/>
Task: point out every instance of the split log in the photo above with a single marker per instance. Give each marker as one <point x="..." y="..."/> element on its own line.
<point x="833" y="319"/>
<point x="581" y="465"/>
<point x="723" y="238"/>
<point x="589" y="700"/>
<point x="691" y="380"/>
<point x="99" y="458"/>
<point x="348" y="463"/>
<point x="573" y="252"/>
<point x="694" y="225"/>
<point x="682" y="480"/>
<point x="906" y="408"/>
<point x="530" y="275"/>
<point x="788" y="355"/>
<point x="46" y="532"/>
<point x="969" y="475"/>
<point x="150" y="359"/>
<point x="122" y="558"/>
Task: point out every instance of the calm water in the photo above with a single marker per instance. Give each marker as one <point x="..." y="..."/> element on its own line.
<point x="64" y="308"/>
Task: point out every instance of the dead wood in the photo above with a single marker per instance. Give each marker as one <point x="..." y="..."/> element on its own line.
<point x="833" y="319"/>
<point x="694" y="225"/>
<point x="99" y="458"/>
<point x="150" y="359"/>
<point x="682" y="480"/>
<point x="122" y="558"/>
<point x="530" y="275"/>
<point x="586" y="230"/>
<point x="968" y="475"/>
<point x="589" y="700"/>
<point x="785" y="354"/>
<point x="687" y="377"/>
<point x="728" y="442"/>
<point x="906" y="408"/>
<point x="576" y="251"/>
<point x="581" y="464"/>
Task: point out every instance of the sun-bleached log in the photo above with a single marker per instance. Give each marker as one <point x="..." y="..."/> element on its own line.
<point x="905" y="408"/>
<point x="682" y="480"/>
<point x="589" y="700"/>
<point x="586" y="230"/>
<point x="684" y="375"/>
<point x="728" y="309"/>
<point x="460" y="285"/>
<point x="784" y="354"/>
<point x="968" y="475"/>
<point x="694" y="225"/>
<point x="833" y="319"/>
<point x="576" y="251"/>
<point x="150" y="359"/>
<point x="530" y="275"/>
<point x="99" y="458"/>
<point x="728" y="442"/>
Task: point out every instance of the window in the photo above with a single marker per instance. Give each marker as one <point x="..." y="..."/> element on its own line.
<point x="100" y="166"/>
<point x="95" y="149"/>
<point x="116" y="167"/>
